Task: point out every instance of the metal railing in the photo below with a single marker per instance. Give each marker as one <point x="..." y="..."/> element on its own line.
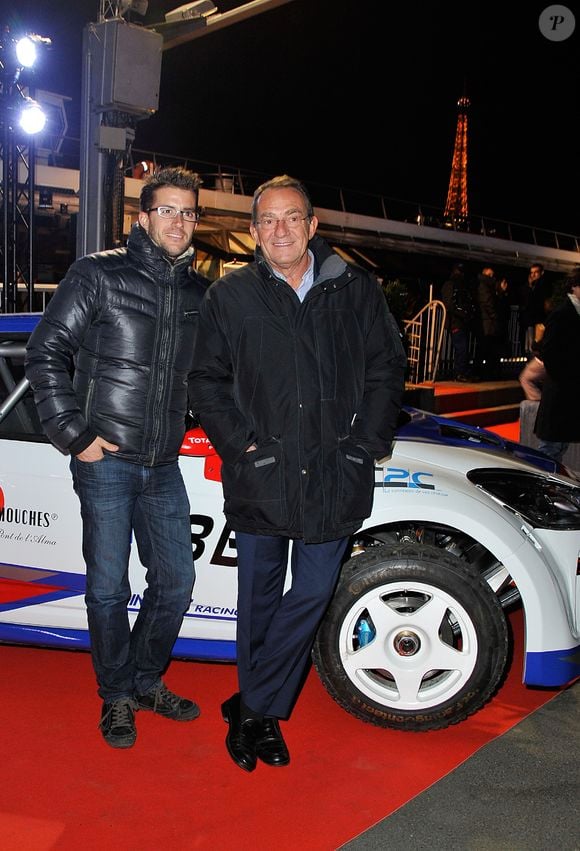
<point x="232" y="178"/>
<point x="424" y="334"/>
<point x="430" y="351"/>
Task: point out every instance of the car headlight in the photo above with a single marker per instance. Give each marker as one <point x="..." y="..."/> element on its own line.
<point x="544" y="502"/>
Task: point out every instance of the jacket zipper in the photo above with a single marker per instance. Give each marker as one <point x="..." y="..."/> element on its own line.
<point x="89" y="398"/>
<point x="161" y="385"/>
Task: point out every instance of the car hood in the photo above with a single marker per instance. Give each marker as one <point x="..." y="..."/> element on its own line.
<point x="417" y="425"/>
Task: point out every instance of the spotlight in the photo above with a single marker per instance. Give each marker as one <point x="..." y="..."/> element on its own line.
<point x="26" y="52"/>
<point x="27" y="49"/>
<point x="31" y="119"/>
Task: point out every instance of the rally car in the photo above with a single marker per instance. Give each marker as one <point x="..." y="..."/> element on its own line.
<point x="464" y="526"/>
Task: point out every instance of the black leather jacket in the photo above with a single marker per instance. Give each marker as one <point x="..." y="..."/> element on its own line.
<point x="125" y="319"/>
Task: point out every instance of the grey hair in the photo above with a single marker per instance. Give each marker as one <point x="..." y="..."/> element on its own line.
<point x="282" y="181"/>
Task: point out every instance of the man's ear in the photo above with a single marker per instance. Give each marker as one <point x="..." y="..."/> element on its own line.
<point x="143" y="220"/>
<point x="254" y="234"/>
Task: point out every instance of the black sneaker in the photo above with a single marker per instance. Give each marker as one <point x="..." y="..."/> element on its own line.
<point x="118" y="723"/>
<point x="166" y="703"/>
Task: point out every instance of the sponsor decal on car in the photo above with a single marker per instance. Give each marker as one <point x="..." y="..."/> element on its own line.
<point x="396" y="477"/>
<point x="196" y="610"/>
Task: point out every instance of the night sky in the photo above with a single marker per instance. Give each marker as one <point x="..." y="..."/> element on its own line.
<point x="363" y="95"/>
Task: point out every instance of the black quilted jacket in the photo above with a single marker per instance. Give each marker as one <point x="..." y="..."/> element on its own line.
<point x="112" y="353"/>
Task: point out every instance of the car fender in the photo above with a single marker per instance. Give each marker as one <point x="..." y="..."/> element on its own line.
<point x="549" y="622"/>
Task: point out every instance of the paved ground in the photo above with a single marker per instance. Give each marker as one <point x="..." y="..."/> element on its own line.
<point x="518" y="793"/>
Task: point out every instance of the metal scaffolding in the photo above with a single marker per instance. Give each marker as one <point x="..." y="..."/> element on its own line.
<point x="16" y="196"/>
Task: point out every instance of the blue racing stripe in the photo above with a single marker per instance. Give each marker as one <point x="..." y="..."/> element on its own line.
<point x="553" y="667"/>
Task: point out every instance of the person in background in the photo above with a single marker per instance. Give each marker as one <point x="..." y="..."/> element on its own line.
<point x="460" y="313"/>
<point x="558" y="418"/>
<point x="108" y="364"/>
<point x="490" y="293"/>
<point x="535" y="304"/>
<point x="532" y="379"/>
<point x="533" y="374"/>
<point x="298" y="382"/>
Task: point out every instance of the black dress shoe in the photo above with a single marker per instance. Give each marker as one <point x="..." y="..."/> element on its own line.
<point x="270" y="745"/>
<point x="241" y="737"/>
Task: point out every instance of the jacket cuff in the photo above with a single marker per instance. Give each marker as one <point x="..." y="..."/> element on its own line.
<point x="81" y="443"/>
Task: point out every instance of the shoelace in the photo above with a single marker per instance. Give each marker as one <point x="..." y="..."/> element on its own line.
<point x="120" y="714"/>
<point x="163" y="695"/>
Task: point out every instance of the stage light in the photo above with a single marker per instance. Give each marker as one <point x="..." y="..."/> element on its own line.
<point x="31" y="118"/>
<point x="26" y="49"/>
<point x="26" y="52"/>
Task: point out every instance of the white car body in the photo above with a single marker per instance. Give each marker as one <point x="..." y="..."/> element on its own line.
<point x="426" y="485"/>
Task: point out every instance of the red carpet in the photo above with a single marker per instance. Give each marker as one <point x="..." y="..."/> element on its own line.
<point x="64" y="789"/>
<point x="511" y="431"/>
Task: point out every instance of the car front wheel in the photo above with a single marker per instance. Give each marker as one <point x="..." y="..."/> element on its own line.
<point x="414" y="639"/>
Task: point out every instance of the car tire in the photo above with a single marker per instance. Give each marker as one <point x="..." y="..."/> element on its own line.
<point x="434" y="646"/>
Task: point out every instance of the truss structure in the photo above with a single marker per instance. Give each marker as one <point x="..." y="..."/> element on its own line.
<point x="16" y="202"/>
<point x="456" y="207"/>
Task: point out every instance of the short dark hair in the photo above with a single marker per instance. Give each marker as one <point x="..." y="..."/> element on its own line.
<point x="539" y="266"/>
<point x="176" y="176"/>
<point x="282" y="181"/>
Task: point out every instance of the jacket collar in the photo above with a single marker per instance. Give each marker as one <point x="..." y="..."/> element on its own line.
<point x="144" y="250"/>
<point x="327" y="263"/>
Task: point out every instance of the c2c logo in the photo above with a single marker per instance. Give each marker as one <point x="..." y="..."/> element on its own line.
<point x="395" y="477"/>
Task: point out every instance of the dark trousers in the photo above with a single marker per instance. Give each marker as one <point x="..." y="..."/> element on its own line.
<point x="459" y="341"/>
<point x="276" y="630"/>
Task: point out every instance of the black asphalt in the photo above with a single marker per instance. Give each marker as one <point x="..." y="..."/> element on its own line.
<point x="520" y="792"/>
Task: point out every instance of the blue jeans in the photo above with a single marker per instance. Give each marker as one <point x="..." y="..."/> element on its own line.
<point x="117" y="499"/>
<point x="554" y="448"/>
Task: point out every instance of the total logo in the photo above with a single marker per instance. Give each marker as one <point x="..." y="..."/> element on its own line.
<point x="196" y="442"/>
<point x="396" y="477"/>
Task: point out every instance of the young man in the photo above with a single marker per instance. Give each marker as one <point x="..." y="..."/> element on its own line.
<point x="535" y="304"/>
<point x="108" y="364"/>
<point x="298" y="381"/>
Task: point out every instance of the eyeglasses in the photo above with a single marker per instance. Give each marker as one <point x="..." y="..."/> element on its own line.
<point x="292" y="221"/>
<point x="172" y="213"/>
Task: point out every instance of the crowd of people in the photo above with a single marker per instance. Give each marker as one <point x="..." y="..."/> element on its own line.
<point x="478" y="311"/>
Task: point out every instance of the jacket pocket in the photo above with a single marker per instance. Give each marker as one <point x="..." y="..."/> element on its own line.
<point x="355" y="478"/>
<point x="254" y="489"/>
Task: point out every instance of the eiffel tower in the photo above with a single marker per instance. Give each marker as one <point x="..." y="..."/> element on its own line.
<point x="456" y="209"/>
